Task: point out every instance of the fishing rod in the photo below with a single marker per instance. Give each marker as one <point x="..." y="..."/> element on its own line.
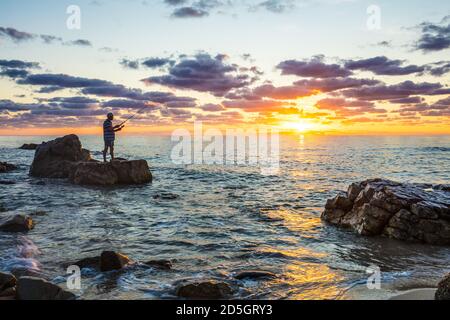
<point x="132" y="117"/>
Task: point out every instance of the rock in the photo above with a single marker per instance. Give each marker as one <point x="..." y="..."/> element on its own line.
<point x="17" y="223"/>
<point x="403" y="211"/>
<point x="6" y="167"/>
<point x="8" y="294"/>
<point x="110" y="260"/>
<point x="254" y="274"/>
<point x="204" y="290"/>
<point x="443" y="291"/>
<point x="90" y="262"/>
<point x="29" y="146"/>
<point x="159" y="264"/>
<point x="55" y="159"/>
<point x="7" y="280"/>
<point x="111" y="173"/>
<point x="166" y="196"/>
<point x="30" y="288"/>
<point x="7" y="183"/>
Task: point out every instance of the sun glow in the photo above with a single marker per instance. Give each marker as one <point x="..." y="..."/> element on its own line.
<point x="298" y="126"/>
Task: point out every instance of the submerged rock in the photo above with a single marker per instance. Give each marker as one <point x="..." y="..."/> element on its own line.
<point x="443" y="291"/>
<point x="159" y="264"/>
<point x="255" y="274"/>
<point x="30" y="288"/>
<point x="17" y="223"/>
<point x="111" y="173"/>
<point x="55" y="159"/>
<point x="6" y="167"/>
<point x="403" y="211"/>
<point x="204" y="290"/>
<point x="90" y="262"/>
<point x="6" y="183"/>
<point x="110" y="260"/>
<point x="29" y="146"/>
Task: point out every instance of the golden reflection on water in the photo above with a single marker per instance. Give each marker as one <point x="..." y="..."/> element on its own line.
<point x="305" y="280"/>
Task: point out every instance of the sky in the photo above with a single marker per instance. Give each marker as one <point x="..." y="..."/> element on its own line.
<point x="308" y="66"/>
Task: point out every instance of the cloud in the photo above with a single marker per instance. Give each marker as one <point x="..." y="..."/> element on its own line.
<point x="314" y="68"/>
<point x="439" y="68"/>
<point x="130" y="64"/>
<point x="22" y="36"/>
<point x="256" y="106"/>
<point x="157" y="62"/>
<point x="396" y="91"/>
<point x="62" y="81"/>
<point x="202" y="73"/>
<point x="18" y="64"/>
<point x="189" y="12"/>
<point x="212" y="107"/>
<point x="435" y="37"/>
<point x="276" y="6"/>
<point x="381" y="65"/>
<point x="14" y="73"/>
<point x="175" y="2"/>
<point x="344" y="107"/>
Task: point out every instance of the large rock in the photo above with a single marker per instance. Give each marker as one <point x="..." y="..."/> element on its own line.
<point x="204" y="290"/>
<point x="111" y="173"/>
<point x="29" y="146"/>
<point x="255" y="274"/>
<point x="443" y="291"/>
<point x="30" y="288"/>
<point x="110" y="260"/>
<point x="17" y="223"/>
<point x="55" y="159"/>
<point x="404" y="211"/>
<point x="6" y="167"/>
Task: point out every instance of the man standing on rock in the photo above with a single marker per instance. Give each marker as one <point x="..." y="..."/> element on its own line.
<point x="109" y="135"/>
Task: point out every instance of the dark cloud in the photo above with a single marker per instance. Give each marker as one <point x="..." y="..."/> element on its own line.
<point x="439" y="68"/>
<point x="62" y="81"/>
<point x="126" y="104"/>
<point x="435" y="37"/>
<point x="211" y="107"/>
<point x="18" y="64"/>
<point x="383" y="66"/>
<point x="189" y="12"/>
<point x="276" y="6"/>
<point x="202" y="73"/>
<point x="175" y="2"/>
<point x="407" y="100"/>
<point x="157" y="62"/>
<point x="344" y="107"/>
<point x="397" y="91"/>
<point x="14" y="73"/>
<point x="130" y="64"/>
<point x="21" y="36"/>
<point x="15" y="34"/>
<point x="314" y="68"/>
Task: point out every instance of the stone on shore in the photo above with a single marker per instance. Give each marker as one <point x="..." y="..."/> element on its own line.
<point x="255" y="274"/>
<point x="30" y="288"/>
<point x="443" y="291"/>
<point x="6" y="167"/>
<point x="110" y="260"/>
<point x="204" y="290"/>
<point x="55" y="159"/>
<point x="111" y="173"/>
<point x="29" y="146"/>
<point x="403" y="211"/>
<point x="17" y="223"/>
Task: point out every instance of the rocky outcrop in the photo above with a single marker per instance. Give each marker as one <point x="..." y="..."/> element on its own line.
<point x="65" y="158"/>
<point x="255" y="274"/>
<point x="110" y="260"/>
<point x="443" y="291"/>
<point x="17" y="223"/>
<point x="7" y="280"/>
<point x="111" y="173"/>
<point x="159" y="264"/>
<point x="403" y="211"/>
<point x="55" y="159"/>
<point x="30" y="288"/>
<point x="6" y="167"/>
<point x="204" y="290"/>
<point x="29" y="146"/>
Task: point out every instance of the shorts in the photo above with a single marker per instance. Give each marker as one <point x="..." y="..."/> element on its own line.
<point x="109" y="143"/>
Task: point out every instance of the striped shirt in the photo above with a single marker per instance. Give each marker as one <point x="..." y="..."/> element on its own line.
<point x="107" y="134"/>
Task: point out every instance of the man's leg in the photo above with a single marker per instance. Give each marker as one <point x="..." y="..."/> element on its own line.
<point x="105" y="151"/>
<point x="111" y="148"/>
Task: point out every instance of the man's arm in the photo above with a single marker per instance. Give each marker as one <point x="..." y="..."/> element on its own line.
<point x="118" y="128"/>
